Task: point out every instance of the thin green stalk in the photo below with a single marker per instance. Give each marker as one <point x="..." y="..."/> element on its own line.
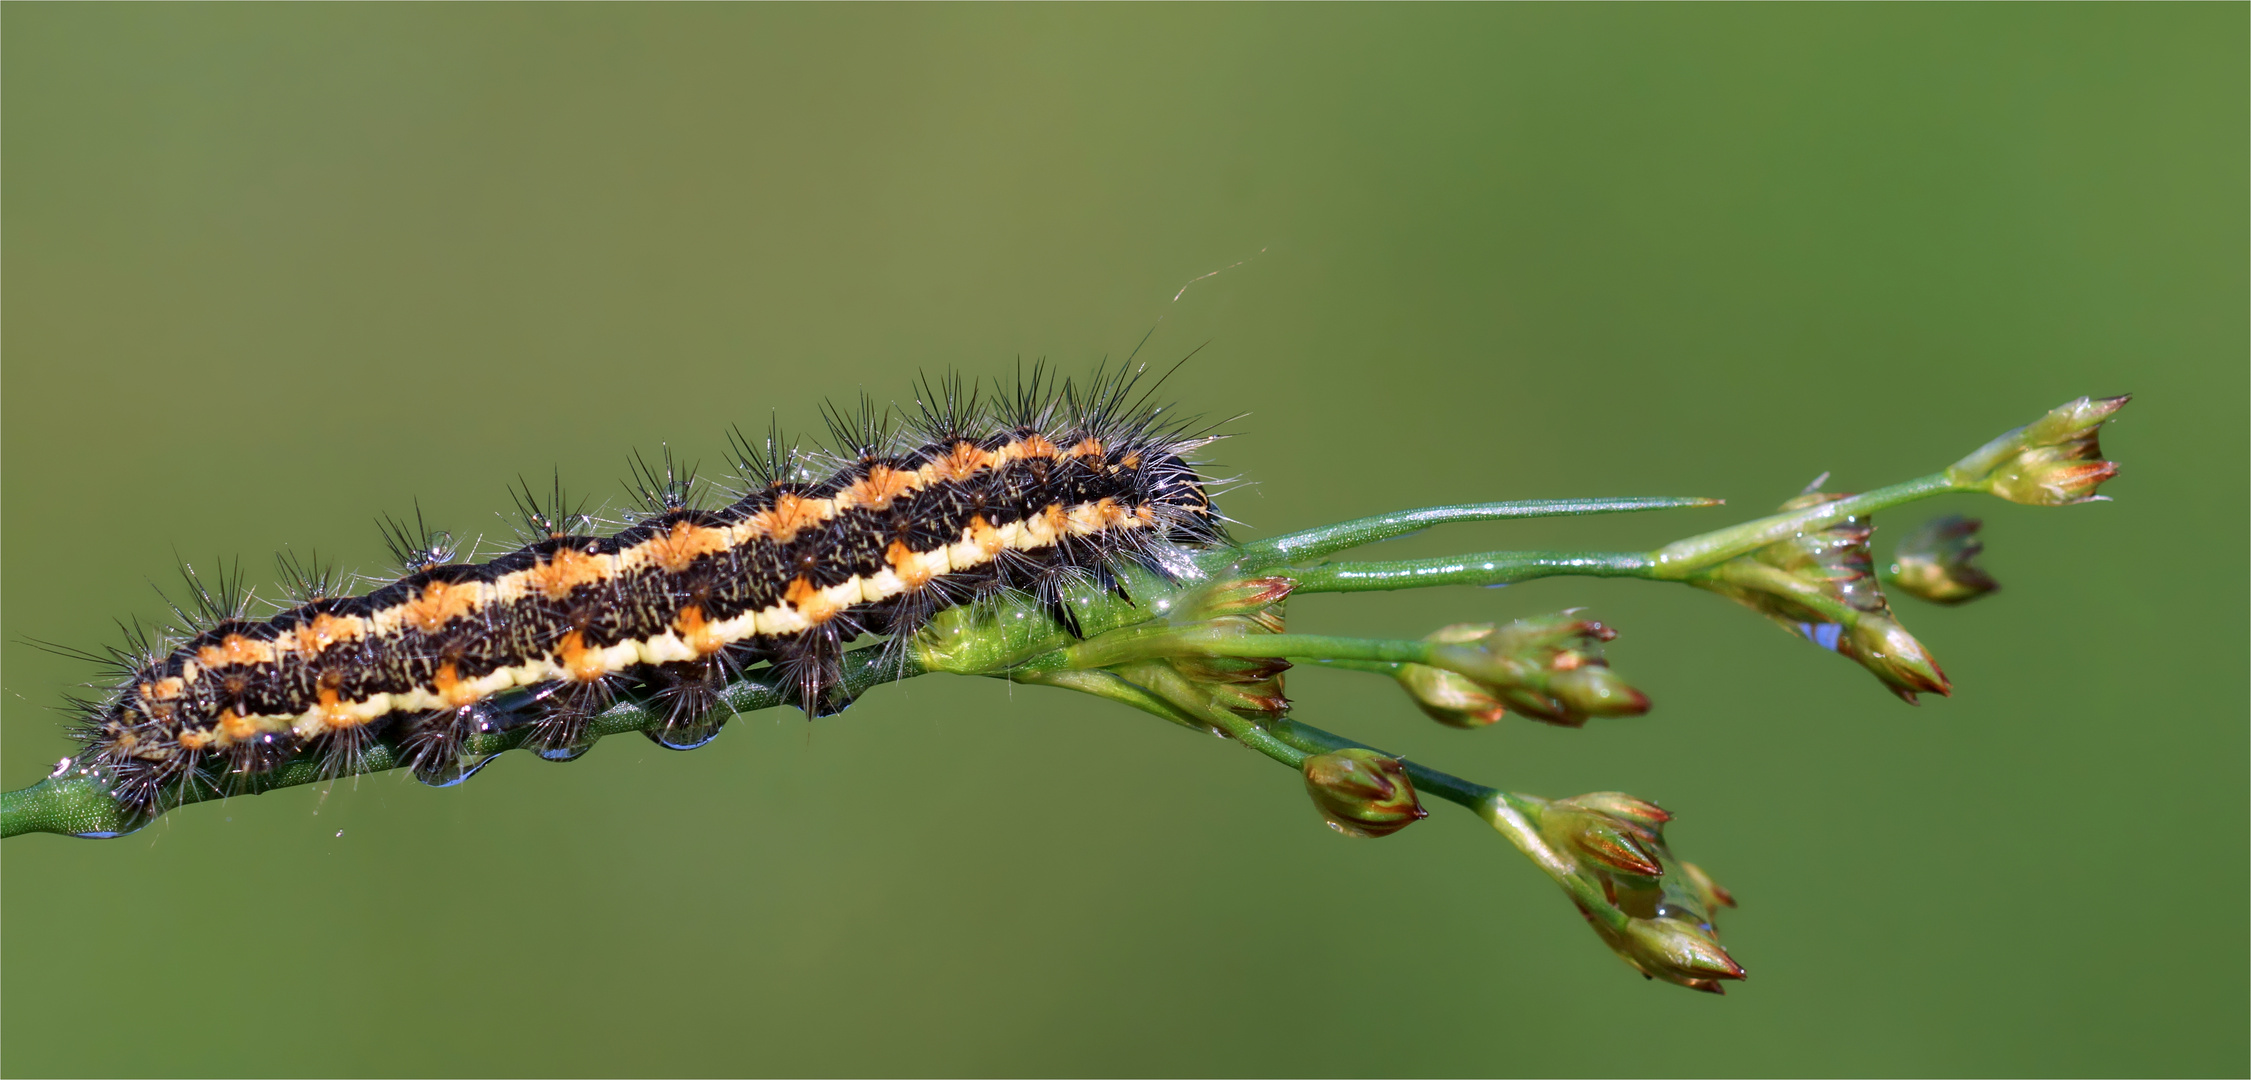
<point x="1672" y="562"/>
<point x="1681" y="558"/>
<point x="1327" y="539"/>
<point x="1483" y="568"/>
<point x="1197" y="641"/>
<point x="1427" y="780"/>
<point x="1373" y="667"/>
<point x="1114" y="687"/>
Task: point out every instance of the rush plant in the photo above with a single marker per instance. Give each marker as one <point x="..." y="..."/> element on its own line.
<point x="1207" y="651"/>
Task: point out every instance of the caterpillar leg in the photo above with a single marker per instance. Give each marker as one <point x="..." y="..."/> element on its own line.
<point x="564" y="729"/>
<point x="435" y="744"/>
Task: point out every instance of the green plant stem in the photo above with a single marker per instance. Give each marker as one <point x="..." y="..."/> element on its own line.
<point x="1327" y="539"/>
<point x="1681" y="558"/>
<point x="1484" y="568"/>
<point x="1429" y="781"/>
<point x="1673" y="562"/>
<point x="1195" y="641"/>
<point x="1373" y="667"/>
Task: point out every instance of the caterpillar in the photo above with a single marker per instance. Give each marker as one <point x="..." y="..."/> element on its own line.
<point x="1039" y="489"/>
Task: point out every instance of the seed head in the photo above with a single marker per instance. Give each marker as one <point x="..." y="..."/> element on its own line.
<point x="2053" y="461"/>
<point x="1820" y="585"/>
<point x="1549" y="668"/>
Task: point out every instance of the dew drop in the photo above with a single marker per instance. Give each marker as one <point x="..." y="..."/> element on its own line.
<point x="449" y="777"/>
<point x="683" y="737"/>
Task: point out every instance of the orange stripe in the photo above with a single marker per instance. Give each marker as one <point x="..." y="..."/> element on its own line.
<point x="581" y="661"/>
<point x="792" y="513"/>
<point x="566" y="569"/>
<point x="905" y="563"/>
<point x="439" y="604"/>
<point x="697" y="631"/>
<point x="876" y="490"/>
<point x="687" y="542"/>
<point x="810" y="602"/>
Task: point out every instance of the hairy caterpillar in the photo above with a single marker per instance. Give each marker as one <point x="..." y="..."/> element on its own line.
<point x="1038" y="489"/>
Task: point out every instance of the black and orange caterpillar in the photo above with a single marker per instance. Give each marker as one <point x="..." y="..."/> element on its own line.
<point x="1044" y="488"/>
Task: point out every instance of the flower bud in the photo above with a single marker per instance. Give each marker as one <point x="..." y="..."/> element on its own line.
<point x="1618" y="804"/>
<point x="1675" y="950"/>
<point x="1549" y="668"/>
<point x="2053" y="461"/>
<point x="1258" y="600"/>
<point x="1933" y="562"/>
<point x="1820" y="586"/>
<point x="1250" y="687"/>
<point x="1667" y="932"/>
<point x="1890" y="653"/>
<point x="1707" y="890"/>
<point x="1362" y="793"/>
<point x="1448" y="697"/>
<point x="1595" y="690"/>
<point x="1451" y="699"/>
<point x="1617" y="832"/>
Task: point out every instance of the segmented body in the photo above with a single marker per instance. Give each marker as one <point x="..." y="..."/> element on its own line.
<point x="786" y="575"/>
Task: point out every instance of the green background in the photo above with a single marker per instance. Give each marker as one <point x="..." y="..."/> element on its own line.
<point x="272" y="270"/>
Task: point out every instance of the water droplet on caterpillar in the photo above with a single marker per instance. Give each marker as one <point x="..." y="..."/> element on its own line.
<point x="571" y="752"/>
<point x="687" y="736"/>
<point x="460" y="770"/>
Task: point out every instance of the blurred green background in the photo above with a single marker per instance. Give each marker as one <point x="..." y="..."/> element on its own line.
<point x="272" y="270"/>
